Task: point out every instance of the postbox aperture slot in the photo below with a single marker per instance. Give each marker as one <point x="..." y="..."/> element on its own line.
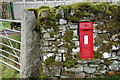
<point x="85" y="39"/>
<point x="86" y="29"/>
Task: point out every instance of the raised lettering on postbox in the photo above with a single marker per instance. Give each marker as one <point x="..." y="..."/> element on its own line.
<point x="86" y="25"/>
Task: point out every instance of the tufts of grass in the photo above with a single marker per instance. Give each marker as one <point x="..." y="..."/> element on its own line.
<point x="6" y="25"/>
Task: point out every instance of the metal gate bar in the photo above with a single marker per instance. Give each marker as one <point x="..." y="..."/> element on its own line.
<point x="10" y="39"/>
<point x="10" y="59"/>
<point x="10" y="53"/>
<point x="10" y="65"/>
<point x="10" y="46"/>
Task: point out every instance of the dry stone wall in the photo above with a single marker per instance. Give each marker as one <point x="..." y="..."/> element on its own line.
<point x="59" y="62"/>
<point x="59" y="40"/>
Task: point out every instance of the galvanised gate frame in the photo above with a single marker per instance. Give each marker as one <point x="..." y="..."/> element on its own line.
<point x="5" y="36"/>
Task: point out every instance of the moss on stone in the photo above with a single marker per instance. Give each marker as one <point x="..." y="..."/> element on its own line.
<point x="70" y="63"/>
<point x="49" y="61"/>
<point x="58" y="64"/>
<point x="107" y="13"/>
<point x="97" y="54"/>
<point x="82" y="9"/>
<point x="68" y="36"/>
<point x="107" y="62"/>
<point x="68" y="56"/>
<point x="52" y="34"/>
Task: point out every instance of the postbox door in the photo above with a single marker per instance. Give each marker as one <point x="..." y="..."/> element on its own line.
<point x="86" y="44"/>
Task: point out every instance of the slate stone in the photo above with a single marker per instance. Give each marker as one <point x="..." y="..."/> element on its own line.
<point x="76" y="50"/>
<point x="73" y="27"/>
<point x="114" y="66"/>
<point x="104" y="41"/>
<point x="57" y="58"/>
<point x="103" y="71"/>
<point x="50" y="39"/>
<point x="93" y="65"/>
<point x="46" y="35"/>
<point x="75" y="33"/>
<point x="80" y="75"/>
<point x="106" y="55"/>
<point x="89" y="70"/>
<point x="46" y="43"/>
<point x="101" y="67"/>
<point x="79" y="69"/>
<point x="55" y="72"/>
<point x="72" y="12"/>
<point x="96" y="61"/>
<point x="50" y="30"/>
<point x="114" y="48"/>
<point x="77" y="43"/>
<point x="50" y="54"/>
<point x="62" y="29"/>
<point x="62" y="21"/>
<point x="114" y="36"/>
<point x="118" y="53"/>
<point x="75" y="39"/>
<point x="44" y="58"/>
<point x="43" y="30"/>
<point x="113" y="54"/>
<point x="44" y="14"/>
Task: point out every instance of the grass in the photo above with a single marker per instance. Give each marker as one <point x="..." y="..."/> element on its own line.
<point x="8" y="72"/>
<point x="6" y="25"/>
<point x="15" y="45"/>
<point x="108" y="77"/>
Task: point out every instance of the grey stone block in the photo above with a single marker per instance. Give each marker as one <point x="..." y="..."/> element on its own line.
<point x="93" y="65"/>
<point x="114" y="66"/>
<point x="80" y="75"/>
<point x="75" y="32"/>
<point x="73" y="26"/>
<point x="106" y="55"/>
<point x="46" y="35"/>
<point x="62" y="21"/>
<point x="89" y="70"/>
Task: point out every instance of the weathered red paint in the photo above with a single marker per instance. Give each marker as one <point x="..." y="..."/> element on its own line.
<point x="86" y="40"/>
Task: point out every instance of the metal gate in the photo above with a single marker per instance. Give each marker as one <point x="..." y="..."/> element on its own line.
<point x="8" y="52"/>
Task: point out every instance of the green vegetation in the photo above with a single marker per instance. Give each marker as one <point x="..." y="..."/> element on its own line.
<point x="8" y="72"/>
<point x="15" y="45"/>
<point x="112" y="75"/>
<point x="52" y="34"/>
<point x="81" y="9"/>
<point x="49" y="61"/>
<point x="5" y="24"/>
<point x="70" y="63"/>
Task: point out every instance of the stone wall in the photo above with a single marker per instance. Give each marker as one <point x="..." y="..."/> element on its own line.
<point x="59" y="40"/>
<point x="60" y="62"/>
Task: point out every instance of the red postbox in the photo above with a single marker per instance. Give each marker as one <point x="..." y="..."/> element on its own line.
<point x="86" y="39"/>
